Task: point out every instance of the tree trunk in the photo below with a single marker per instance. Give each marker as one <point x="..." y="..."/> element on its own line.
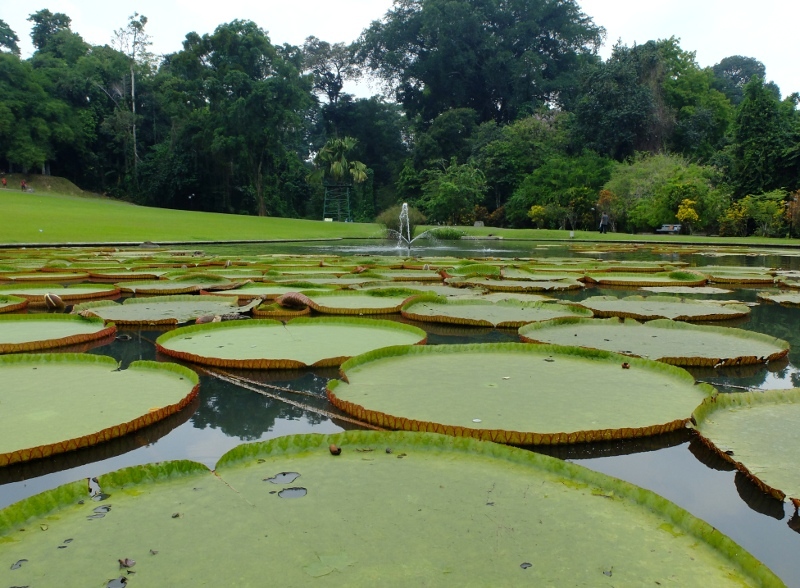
<point x="133" y="122"/>
<point x="259" y="182"/>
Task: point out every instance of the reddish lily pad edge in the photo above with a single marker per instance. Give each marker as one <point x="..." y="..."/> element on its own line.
<point x="108" y="433"/>
<point x="725" y="401"/>
<point x="523" y="438"/>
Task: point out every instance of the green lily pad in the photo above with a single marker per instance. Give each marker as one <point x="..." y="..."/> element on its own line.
<point x="516" y="393"/>
<point x="269" y="290"/>
<point x="639" y="279"/>
<point x="663" y="340"/>
<point x="47" y="277"/>
<point x="59" y="402"/>
<point x="491" y="515"/>
<point x="362" y="302"/>
<point x="492" y="285"/>
<point x="35" y="293"/>
<point x="686" y="290"/>
<point x="785" y="298"/>
<point x="186" y="285"/>
<point x="487" y="313"/>
<point x="12" y="303"/>
<point x="268" y="344"/>
<point x="162" y="310"/>
<point x="35" y="332"/>
<point x="118" y="274"/>
<point x="671" y="307"/>
<point x="758" y="433"/>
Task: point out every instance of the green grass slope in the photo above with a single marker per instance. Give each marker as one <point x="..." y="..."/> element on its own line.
<point x="42" y="217"/>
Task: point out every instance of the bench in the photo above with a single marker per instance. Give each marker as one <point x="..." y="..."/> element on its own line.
<point x="669" y="229"/>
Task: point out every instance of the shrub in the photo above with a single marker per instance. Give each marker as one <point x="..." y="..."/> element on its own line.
<point x="446" y="233"/>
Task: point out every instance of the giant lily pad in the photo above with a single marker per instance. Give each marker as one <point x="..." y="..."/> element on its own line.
<point x="492" y="515"/>
<point x="785" y="298"/>
<point x="639" y="279"/>
<point x="185" y="285"/>
<point x="268" y="344"/>
<point x="12" y="303"/>
<point x="758" y="433"/>
<point x="35" y="332"/>
<point x="516" y="393"/>
<point x="363" y="302"/>
<point x="487" y="313"/>
<point x="671" y="307"/>
<point x="163" y="310"/>
<point x="35" y="294"/>
<point x="59" y="402"/>
<point x="492" y="285"/>
<point x="664" y="340"/>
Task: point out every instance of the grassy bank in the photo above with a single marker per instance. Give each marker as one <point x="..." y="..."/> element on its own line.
<point x="58" y="212"/>
<point x="42" y="217"/>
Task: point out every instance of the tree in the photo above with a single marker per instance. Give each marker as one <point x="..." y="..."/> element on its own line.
<point x="761" y="138"/>
<point x="650" y="98"/>
<point x="45" y="26"/>
<point x="133" y="41"/>
<point x="501" y="59"/>
<point x="570" y="183"/>
<point x="8" y="38"/>
<point x="330" y="66"/>
<point x="767" y="211"/>
<point x="647" y="191"/>
<point x="514" y="151"/>
<point x="332" y="161"/>
<point x="732" y="74"/>
<point x="243" y="108"/>
<point x="451" y="192"/>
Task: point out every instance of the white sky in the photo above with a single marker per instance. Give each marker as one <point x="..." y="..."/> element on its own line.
<point x="765" y="29"/>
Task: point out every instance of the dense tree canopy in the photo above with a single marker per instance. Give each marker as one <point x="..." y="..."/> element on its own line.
<point x="495" y="110"/>
<point x="502" y="59"/>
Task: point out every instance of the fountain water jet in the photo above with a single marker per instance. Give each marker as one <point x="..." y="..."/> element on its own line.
<point x="404" y="239"/>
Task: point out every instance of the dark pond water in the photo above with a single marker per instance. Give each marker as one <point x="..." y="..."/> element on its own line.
<point x="676" y="466"/>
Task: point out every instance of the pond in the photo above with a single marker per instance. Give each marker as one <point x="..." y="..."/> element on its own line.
<point x="676" y="465"/>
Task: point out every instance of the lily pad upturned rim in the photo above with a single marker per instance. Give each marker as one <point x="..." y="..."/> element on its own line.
<point x="527" y="334"/>
<point x="741" y="310"/>
<point x="406" y="310"/>
<point x="89" y="307"/>
<point x="638" y="279"/>
<point x="381" y="419"/>
<point x="107" y="433"/>
<point x="25" y="512"/>
<point x="101" y="291"/>
<point x="725" y="401"/>
<point x="782" y="298"/>
<point x="103" y="331"/>
<point x="12" y="303"/>
<point x="270" y="363"/>
<point x="316" y="301"/>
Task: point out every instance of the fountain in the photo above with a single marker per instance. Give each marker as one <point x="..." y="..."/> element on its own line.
<point x="404" y="239"/>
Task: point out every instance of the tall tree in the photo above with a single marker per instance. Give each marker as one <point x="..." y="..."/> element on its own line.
<point x="732" y="74"/>
<point x="250" y="104"/>
<point x="764" y="142"/>
<point x="499" y="58"/>
<point x="331" y="66"/>
<point x="45" y="25"/>
<point x="133" y="41"/>
<point x="8" y="38"/>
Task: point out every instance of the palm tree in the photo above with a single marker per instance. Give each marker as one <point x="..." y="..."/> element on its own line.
<point x="332" y="161"/>
<point x="338" y="176"/>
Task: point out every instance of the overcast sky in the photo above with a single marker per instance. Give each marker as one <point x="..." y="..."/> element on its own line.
<point x="765" y="29"/>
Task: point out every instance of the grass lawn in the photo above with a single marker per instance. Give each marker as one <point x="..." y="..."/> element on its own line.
<point x="59" y="212"/>
<point x="41" y="217"/>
